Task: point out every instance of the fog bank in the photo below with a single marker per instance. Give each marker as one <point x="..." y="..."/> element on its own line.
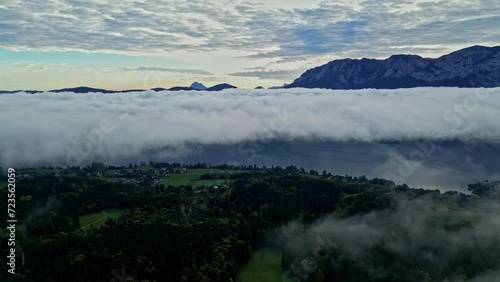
<point x="76" y="129"/>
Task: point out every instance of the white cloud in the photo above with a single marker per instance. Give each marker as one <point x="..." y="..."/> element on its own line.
<point x="43" y="128"/>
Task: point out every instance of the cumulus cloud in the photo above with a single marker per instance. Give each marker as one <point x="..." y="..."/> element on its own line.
<point x="69" y="128"/>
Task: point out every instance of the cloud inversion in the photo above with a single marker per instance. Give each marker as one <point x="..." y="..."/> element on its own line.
<point x="68" y="128"/>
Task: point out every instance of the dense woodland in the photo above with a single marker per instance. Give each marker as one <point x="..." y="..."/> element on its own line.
<point x="185" y="234"/>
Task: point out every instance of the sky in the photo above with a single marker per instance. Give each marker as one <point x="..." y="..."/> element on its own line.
<point x="124" y="44"/>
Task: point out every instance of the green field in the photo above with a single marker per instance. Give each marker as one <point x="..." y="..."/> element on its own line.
<point x="192" y="177"/>
<point x="98" y="219"/>
<point x="3" y="184"/>
<point x="264" y="266"/>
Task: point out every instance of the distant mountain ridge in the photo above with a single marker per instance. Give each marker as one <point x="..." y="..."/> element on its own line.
<point x="220" y="87"/>
<point x="16" y="91"/>
<point x="476" y="66"/>
<point x="84" y="89"/>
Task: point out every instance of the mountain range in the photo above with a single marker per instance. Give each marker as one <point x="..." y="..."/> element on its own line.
<point x="83" y="89"/>
<point x="476" y="66"/>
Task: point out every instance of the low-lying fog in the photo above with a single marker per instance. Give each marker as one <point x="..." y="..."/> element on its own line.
<point x="426" y="137"/>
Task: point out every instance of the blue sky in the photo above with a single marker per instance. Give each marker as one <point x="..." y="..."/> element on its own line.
<point x="142" y="44"/>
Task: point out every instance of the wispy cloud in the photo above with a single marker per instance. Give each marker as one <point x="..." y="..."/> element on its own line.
<point x="269" y="74"/>
<point x="37" y="66"/>
<point x="162" y="69"/>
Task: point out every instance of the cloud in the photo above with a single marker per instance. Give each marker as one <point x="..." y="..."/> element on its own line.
<point x="490" y="276"/>
<point x="162" y="69"/>
<point x="53" y="126"/>
<point x="200" y="26"/>
<point x="413" y="237"/>
<point x="269" y="74"/>
<point x="37" y="66"/>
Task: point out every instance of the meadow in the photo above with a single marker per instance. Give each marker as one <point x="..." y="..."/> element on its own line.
<point x="98" y="219"/>
<point x="192" y="177"/>
<point x="264" y="266"/>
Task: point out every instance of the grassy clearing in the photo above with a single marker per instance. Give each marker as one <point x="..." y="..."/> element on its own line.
<point x="89" y="218"/>
<point x="116" y="213"/>
<point x="264" y="266"/>
<point x="98" y="219"/>
<point x="193" y="178"/>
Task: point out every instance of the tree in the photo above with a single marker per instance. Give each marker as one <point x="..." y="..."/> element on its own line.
<point x="482" y="189"/>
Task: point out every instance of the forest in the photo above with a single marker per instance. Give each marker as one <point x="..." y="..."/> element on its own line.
<point x="326" y="227"/>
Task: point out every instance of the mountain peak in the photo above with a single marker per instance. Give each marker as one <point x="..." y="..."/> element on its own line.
<point x="198" y="86"/>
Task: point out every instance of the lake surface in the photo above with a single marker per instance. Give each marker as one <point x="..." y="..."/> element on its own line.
<point x="449" y="165"/>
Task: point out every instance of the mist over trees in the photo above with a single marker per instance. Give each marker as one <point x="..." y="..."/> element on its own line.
<point x="426" y="238"/>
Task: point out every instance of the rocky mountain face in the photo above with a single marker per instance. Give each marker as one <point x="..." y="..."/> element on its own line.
<point x="476" y="66"/>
